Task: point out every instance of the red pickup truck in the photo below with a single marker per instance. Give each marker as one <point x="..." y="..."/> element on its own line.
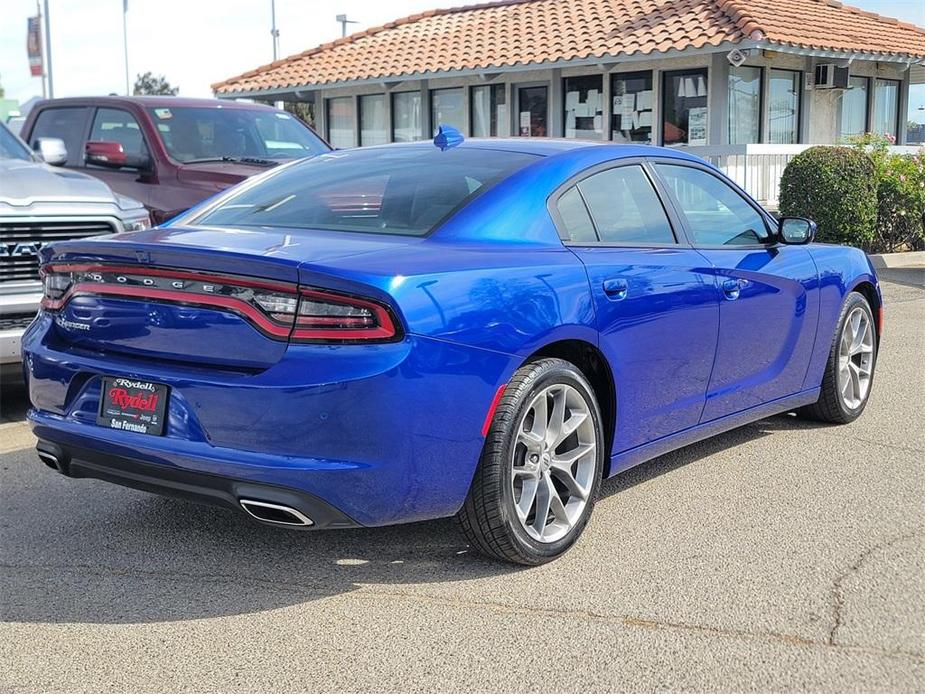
<point x="169" y="152"/>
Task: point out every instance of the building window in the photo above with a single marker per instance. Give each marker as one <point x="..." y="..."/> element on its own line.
<point x="785" y="88"/>
<point x="744" y="105"/>
<point x="447" y="107"/>
<point x="372" y="120"/>
<point x="584" y="107"/>
<point x="631" y="119"/>
<point x="406" y="116"/>
<point x="886" y="107"/>
<point x="533" y="111"/>
<point x="684" y="107"/>
<point x="854" y="107"/>
<point x="341" y="122"/>
<point x="489" y="111"/>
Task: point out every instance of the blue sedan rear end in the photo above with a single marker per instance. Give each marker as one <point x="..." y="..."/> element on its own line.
<point x="355" y="338"/>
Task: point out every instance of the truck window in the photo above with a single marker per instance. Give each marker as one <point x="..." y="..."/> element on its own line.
<point x="68" y="124"/>
<point x="116" y="125"/>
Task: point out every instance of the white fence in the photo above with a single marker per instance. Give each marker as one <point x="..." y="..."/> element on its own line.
<point x="758" y="168"/>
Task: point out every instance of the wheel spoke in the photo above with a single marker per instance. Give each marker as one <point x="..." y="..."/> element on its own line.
<point x="567" y="459"/>
<point x="569" y="426"/>
<point x="565" y="476"/>
<point x="855" y="381"/>
<point x="557" y="417"/>
<point x="543" y="501"/>
<point x="540" y="418"/>
<point x="556" y="505"/>
<point x="527" y="497"/>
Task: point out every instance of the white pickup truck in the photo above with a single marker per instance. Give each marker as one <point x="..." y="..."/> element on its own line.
<point x="40" y="204"/>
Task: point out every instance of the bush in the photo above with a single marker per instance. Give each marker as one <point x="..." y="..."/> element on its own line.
<point x="900" y="195"/>
<point x="837" y="188"/>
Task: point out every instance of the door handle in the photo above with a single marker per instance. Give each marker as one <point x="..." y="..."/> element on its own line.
<point x="615" y="289"/>
<point x="732" y="288"/>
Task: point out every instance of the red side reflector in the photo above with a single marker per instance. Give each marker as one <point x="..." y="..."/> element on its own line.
<point x="880" y="319"/>
<point x="491" y="410"/>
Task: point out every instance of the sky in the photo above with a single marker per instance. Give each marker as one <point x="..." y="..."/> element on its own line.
<point x="177" y="38"/>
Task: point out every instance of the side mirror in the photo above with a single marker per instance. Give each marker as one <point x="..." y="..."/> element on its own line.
<point x="796" y="230"/>
<point x="112" y="155"/>
<point x="51" y="150"/>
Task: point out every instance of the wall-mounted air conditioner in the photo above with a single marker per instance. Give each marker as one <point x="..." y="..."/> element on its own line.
<point x="831" y="76"/>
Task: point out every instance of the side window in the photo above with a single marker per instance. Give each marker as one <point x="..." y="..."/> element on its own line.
<point x="116" y="125"/>
<point x="575" y="218"/>
<point x="716" y="213"/>
<point x="625" y="207"/>
<point x="67" y="124"/>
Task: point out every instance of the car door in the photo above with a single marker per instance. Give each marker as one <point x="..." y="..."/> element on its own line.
<point x="656" y="304"/>
<point x="769" y="303"/>
<point x="118" y="125"/>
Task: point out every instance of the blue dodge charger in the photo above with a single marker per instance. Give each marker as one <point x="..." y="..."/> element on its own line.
<point x="483" y="329"/>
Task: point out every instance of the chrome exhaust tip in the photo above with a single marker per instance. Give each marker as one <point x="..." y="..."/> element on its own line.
<point x="51" y="460"/>
<point x="275" y="513"/>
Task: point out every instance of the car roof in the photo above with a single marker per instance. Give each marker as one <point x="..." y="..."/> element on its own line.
<point x="548" y="147"/>
<point x="149" y="102"/>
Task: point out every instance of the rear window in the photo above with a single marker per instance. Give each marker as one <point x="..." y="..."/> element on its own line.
<point x="400" y="190"/>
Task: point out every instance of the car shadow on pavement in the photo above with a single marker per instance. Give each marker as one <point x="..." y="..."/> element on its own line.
<point x="89" y="552"/>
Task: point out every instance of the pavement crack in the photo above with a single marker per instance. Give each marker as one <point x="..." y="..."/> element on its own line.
<point x="838" y="597"/>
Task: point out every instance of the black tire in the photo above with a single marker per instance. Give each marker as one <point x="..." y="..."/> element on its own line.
<point x="488" y="518"/>
<point x="831" y="406"/>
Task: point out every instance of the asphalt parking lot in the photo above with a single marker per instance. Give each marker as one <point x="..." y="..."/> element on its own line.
<point x="783" y="555"/>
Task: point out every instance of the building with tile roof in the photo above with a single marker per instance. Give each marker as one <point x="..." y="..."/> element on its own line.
<point x="698" y="73"/>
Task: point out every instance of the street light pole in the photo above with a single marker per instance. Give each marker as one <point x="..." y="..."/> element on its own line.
<point x="274" y="32"/>
<point x="51" y="83"/>
<point x="125" y="43"/>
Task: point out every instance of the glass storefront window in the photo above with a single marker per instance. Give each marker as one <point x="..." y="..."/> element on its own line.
<point x="489" y="111"/>
<point x="684" y="107"/>
<point x="533" y="111"/>
<point x="447" y="107"/>
<point x="854" y="107"/>
<point x="341" y="122"/>
<point x="744" y="105"/>
<point x="785" y="88"/>
<point x="886" y="107"/>
<point x="631" y="118"/>
<point x="372" y="120"/>
<point x="584" y="107"/>
<point x="406" y="116"/>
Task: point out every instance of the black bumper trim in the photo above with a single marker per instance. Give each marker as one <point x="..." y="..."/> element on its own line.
<point x="200" y="487"/>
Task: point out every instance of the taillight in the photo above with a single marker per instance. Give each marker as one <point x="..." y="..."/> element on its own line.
<point x="324" y="316"/>
<point x="278" y="310"/>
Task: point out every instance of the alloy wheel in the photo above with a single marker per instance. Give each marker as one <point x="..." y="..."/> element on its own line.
<point x="554" y="462"/>
<point x="855" y="358"/>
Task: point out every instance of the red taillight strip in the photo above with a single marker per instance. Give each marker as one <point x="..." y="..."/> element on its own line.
<point x="226" y="302"/>
<point x="385" y="330"/>
<point x="177" y="274"/>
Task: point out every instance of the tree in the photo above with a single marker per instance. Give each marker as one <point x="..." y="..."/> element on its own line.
<point x="150" y="84"/>
<point x="1" y="91"/>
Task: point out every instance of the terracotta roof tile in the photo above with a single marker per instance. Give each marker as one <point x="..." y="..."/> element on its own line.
<point x="527" y="32"/>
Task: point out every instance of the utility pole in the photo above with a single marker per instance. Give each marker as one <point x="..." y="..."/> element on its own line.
<point x="47" y="56"/>
<point x="274" y="32"/>
<point x="342" y="18"/>
<point x="125" y="43"/>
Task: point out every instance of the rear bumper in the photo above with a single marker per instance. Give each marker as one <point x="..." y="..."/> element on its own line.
<point x="382" y="433"/>
<point x="74" y="461"/>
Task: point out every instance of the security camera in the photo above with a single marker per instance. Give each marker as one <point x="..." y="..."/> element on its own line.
<point x="736" y="57"/>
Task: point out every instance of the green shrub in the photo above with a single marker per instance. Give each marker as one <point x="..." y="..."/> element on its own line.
<point x="900" y="195"/>
<point x="837" y="188"/>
